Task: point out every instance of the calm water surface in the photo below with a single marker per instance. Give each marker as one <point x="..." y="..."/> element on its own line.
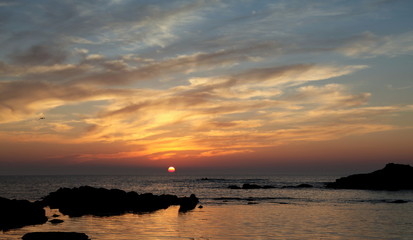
<point x="279" y="213"/>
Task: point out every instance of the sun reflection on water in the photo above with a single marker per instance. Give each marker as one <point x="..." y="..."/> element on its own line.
<point x="259" y="221"/>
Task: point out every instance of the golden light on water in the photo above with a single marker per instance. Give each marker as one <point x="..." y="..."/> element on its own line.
<point x="171" y="169"/>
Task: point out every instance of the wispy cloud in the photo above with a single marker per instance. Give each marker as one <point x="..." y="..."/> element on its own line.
<point x="192" y="79"/>
<point x="371" y="45"/>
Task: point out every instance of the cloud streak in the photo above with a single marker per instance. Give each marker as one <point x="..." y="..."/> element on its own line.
<point x="195" y="79"/>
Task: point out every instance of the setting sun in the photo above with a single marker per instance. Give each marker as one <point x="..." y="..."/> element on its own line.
<point x="293" y="95"/>
<point x="298" y="114"/>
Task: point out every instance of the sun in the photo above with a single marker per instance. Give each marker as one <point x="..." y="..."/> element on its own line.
<point x="171" y="169"/>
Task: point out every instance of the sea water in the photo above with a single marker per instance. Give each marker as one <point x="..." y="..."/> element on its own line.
<point x="282" y="212"/>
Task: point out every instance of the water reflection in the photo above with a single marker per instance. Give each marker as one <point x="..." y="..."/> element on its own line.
<point x="261" y="221"/>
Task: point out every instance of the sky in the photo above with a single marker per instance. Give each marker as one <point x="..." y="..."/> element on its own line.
<point x="116" y="85"/>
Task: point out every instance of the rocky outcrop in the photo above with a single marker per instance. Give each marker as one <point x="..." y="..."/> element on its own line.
<point x="255" y="186"/>
<point x="104" y="202"/>
<point x="56" y="221"/>
<point x="188" y="203"/>
<point x="55" y="236"/>
<point x="303" y="185"/>
<point x="19" y="213"/>
<point x="250" y="186"/>
<point x="399" y="201"/>
<point x="391" y="177"/>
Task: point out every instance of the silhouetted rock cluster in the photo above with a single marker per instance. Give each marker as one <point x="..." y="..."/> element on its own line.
<point x="399" y="201"/>
<point x="55" y="236"/>
<point x="255" y="186"/>
<point x="188" y="203"/>
<point x="19" y="213"/>
<point x="303" y="185"/>
<point x="56" y="221"/>
<point x="87" y="200"/>
<point x="391" y="177"/>
<point x="81" y="201"/>
<point x="250" y="186"/>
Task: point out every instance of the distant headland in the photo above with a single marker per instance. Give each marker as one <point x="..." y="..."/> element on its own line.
<point x="392" y="177"/>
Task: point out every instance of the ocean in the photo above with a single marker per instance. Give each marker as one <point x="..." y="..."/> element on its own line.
<point x="283" y="212"/>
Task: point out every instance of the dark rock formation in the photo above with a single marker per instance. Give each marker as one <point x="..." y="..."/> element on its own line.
<point x="55" y="236"/>
<point x="87" y="200"/>
<point x="56" y="221"/>
<point x="250" y="186"/>
<point x="255" y="186"/>
<point x="303" y="185"/>
<point x="19" y="213"/>
<point x="212" y="179"/>
<point x="391" y="177"/>
<point x="188" y="203"/>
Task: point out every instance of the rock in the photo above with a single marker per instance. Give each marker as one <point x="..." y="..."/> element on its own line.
<point x="391" y="177"/>
<point x="188" y="203"/>
<point x="19" y="213"/>
<point x="399" y="201"/>
<point x="56" y="215"/>
<point x="55" y="236"/>
<point x="87" y="200"/>
<point x="250" y="186"/>
<point x="303" y="185"/>
<point x="56" y="221"/>
<point x="212" y="179"/>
